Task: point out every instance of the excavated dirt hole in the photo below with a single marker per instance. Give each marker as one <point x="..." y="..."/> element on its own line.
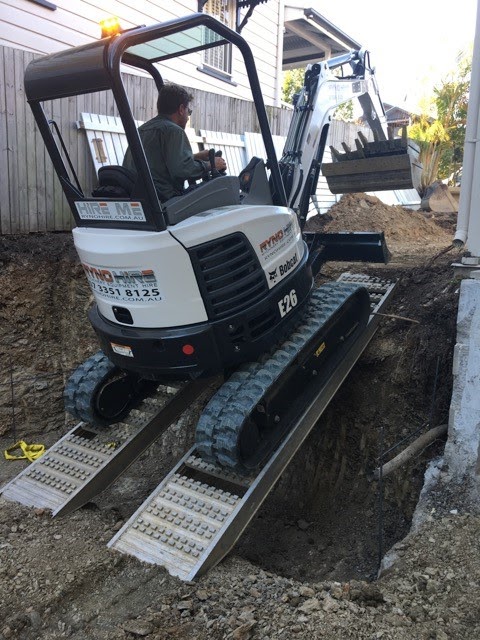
<point x="321" y="521"/>
<point x="330" y="505"/>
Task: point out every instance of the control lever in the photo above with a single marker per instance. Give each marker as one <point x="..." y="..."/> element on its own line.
<point x="214" y="172"/>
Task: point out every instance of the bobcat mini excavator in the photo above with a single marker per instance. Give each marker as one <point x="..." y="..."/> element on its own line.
<point x="221" y="279"/>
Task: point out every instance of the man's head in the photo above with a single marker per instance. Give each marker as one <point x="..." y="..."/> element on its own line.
<point x="173" y="101"/>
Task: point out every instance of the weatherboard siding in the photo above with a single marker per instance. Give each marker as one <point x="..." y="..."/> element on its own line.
<point x="31" y="27"/>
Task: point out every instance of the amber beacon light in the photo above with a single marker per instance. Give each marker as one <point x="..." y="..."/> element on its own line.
<point x="110" y="27"/>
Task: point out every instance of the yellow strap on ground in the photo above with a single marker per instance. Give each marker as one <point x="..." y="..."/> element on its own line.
<point x="30" y="452"/>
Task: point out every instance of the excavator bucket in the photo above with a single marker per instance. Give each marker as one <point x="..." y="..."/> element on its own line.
<point x="380" y="165"/>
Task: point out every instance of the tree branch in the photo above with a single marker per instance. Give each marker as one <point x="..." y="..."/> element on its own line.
<point x="407" y="454"/>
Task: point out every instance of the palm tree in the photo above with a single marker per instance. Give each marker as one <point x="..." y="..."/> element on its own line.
<point x="441" y="136"/>
<point x="432" y="137"/>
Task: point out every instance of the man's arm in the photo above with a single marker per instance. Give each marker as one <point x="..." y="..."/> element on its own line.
<point x="180" y="160"/>
<point x="220" y="163"/>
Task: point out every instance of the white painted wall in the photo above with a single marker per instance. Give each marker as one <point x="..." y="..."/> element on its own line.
<point x="26" y="25"/>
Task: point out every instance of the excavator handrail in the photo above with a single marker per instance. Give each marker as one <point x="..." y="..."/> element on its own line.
<point x="97" y="67"/>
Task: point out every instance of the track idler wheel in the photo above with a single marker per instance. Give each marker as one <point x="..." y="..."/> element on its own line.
<point x="100" y="393"/>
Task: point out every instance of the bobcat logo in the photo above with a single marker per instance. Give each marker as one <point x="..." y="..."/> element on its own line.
<point x="273" y="275"/>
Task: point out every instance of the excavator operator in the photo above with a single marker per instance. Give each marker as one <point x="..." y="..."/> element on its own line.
<point x="167" y="148"/>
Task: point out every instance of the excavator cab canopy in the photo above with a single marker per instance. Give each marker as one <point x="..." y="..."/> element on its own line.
<point x="97" y="67"/>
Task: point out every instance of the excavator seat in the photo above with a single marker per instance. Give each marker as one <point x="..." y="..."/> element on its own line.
<point x="254" y="185"/>
<point x="114" y="181"/>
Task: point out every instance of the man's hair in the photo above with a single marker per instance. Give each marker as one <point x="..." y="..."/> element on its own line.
<point x="170" y="97"/>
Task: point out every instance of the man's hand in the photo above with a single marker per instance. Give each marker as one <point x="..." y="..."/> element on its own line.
<point x="220" y="164"/>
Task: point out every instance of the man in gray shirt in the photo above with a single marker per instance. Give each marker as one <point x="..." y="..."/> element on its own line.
<point x="166" y="145"/>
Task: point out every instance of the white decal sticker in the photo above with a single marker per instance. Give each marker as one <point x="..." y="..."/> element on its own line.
<point x="123" y="284"/>
<point x="276" y="242"/>
<point x="280" y="271"/>
<point x="111" y="211"/>
<point x="122" y="350"/>
<point x="286" y="304"/>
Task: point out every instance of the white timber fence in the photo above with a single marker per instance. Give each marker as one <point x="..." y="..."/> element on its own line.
<point x="107" y="144"/>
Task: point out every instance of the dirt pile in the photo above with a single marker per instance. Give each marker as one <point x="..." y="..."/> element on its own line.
<point x="406" y="231"/>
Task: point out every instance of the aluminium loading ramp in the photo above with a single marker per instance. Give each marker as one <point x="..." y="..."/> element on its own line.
<point x="87" y="460"/>
<point x="198" y="512"/>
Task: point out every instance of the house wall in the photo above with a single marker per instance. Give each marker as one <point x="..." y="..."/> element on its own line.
<point x="31" y="27"/>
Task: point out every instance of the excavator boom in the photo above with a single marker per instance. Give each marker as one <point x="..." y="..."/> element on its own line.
<point x="377" y="165"/>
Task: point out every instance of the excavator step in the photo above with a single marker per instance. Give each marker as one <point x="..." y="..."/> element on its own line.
<point x="88" y="459"/>
<point x="197" y="513"/>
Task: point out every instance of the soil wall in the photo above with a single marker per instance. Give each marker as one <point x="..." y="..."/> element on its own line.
<point x="44" y="331"/>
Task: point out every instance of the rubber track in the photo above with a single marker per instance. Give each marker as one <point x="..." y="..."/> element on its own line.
<point x="222" y="419"/>
<point x="80" y="387"/>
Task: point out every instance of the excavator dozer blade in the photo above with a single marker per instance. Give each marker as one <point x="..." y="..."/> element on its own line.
<point x="381" y="165"/>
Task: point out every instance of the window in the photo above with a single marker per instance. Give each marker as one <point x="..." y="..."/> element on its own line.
<point x="219" y="59"/>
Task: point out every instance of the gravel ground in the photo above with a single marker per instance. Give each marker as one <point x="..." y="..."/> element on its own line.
<point x="58" y="580"/>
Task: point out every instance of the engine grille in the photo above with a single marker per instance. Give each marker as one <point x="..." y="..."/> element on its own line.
<point x="229" y="275"/>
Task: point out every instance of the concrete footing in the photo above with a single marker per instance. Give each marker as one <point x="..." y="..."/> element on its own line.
<point x="462" y="449"/>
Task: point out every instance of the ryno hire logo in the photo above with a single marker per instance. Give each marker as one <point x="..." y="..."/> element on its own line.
<point x="123" y="285"/>
<point x="122" y="277"/>
<point x="276" y="240"/>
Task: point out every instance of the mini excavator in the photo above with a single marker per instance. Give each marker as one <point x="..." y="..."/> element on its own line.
<point x="220" y="279"/>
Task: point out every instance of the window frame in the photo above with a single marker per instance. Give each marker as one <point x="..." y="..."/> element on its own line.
<point x="224" y="72"/>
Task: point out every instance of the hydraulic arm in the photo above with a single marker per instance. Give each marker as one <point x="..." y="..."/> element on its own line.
<point x="327" y="86"/>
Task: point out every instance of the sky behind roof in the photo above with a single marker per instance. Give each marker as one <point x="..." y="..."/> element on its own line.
<point x="413" y="43"/>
